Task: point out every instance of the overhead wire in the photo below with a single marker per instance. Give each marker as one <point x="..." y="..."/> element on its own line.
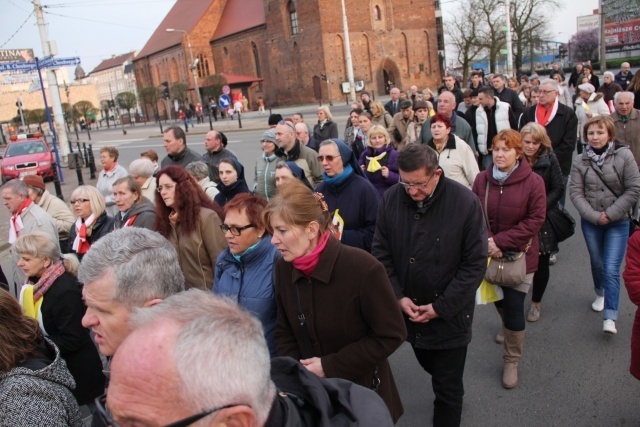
<point x="16" y="32"/>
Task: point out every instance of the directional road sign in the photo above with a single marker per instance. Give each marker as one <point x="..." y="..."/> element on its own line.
<point x="48" y="62"/>
<point x="224" y="101"/>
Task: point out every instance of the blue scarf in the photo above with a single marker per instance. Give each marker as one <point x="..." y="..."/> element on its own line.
<point x="500" y="176"/>
<point x="338" y="179"/>
<point x="238" y="257"/>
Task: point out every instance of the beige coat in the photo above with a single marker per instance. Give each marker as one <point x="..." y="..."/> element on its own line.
<point x="59" y="211"/>
<point x="149" y="189"/>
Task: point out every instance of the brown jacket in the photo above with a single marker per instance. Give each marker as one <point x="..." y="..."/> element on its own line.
<point x="629" y="133"/>
<point x="352" y="317"/>
<point x="198" y="251"/>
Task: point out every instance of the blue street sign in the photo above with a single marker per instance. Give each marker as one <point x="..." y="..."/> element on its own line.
<point x="48" y="62"/>
<point x="224" y="101"/>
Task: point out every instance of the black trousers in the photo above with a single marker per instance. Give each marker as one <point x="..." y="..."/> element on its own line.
<point x="446" y="368"/>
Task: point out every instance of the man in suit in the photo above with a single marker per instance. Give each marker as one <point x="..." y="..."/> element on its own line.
<point x="393" y="106"/>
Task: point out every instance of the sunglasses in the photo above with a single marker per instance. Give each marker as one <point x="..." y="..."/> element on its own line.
<point x="329" y="158"/>
<point x="284" y="122"/>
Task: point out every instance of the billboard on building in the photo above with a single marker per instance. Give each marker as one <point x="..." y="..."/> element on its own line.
<point x="588" y="22"/>
<point x="622" y="25"/>
<point x="16" y="55"/>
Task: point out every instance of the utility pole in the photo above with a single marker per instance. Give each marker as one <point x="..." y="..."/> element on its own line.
<point x="603" y="43"/>
<point x="347" y="55"/>
<point x="193" y="66"/>
<point x="509" y="41"/>
<point x="19" y="105"/>
<point x="59" y="129"/>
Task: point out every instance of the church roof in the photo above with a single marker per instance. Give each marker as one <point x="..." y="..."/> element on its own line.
<point x="238" y="16"/>
<point x="184" y="15"/>
<point x="112" y="62"/>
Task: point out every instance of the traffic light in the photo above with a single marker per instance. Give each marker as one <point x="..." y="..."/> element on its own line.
<point x="165" y="90"/>
<point x="562" y="51"/>
<point x="111" y="103"/>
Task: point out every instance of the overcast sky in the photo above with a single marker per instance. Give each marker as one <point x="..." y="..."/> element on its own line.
<point x="95" y="30"/>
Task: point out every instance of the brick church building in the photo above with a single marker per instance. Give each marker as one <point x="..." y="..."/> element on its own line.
<point x="281" y="50"/>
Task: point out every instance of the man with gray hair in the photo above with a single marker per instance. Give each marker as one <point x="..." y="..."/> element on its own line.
<point x="561" y="124"/>
<point x="197" y="357"/>
<point x="609" y="88"/>
<point x="26" y="216"/>
<point x="127" y="268"/>
<point x="627" y="122"/>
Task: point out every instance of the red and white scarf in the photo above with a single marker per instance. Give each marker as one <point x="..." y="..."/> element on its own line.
<point x="544" y="116"/>
<point x="15" y="224"/>
<point x="130" y="221"/>
<point x="80" y="244"/>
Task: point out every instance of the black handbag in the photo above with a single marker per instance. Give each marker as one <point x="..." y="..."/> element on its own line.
<point x="562" y="223"/>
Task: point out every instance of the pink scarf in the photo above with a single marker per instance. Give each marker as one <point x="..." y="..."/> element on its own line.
<point x="50" y="275"/>
<point x="307" y="263"/>
<point x="15" y="224"/>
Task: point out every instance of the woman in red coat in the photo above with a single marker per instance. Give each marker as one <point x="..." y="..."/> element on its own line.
<point x="631" y="278"/>
<point x="337" y="312"/>
<point x="515" y="207"/>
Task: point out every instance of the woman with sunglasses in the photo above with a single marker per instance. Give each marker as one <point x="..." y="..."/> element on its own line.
<point x="35" y="383"/>
<point x="92" y="221"/>
<point x="336" y="310"/>
<point x="353" y="201"/>
<point x="244" y="270"/>
<point x="188" y="218"/>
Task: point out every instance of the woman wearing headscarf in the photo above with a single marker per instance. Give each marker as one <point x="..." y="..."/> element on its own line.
<point x="232" y="180"/>
<point x="352" y="199"/>
<point x="286" y="171"/>
<point x="53" y="297"/>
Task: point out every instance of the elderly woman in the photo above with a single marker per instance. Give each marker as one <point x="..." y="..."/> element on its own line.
<point x="135" y="210"/>
<point x="111" y="172"/>
<point x="352" y="199"/>
<point x="564" y="93"/>
<point x="588" y="104"/>
<point x="379" y="115"/>
<point x="143" y="170"/>
<point x="352" y="336"/>
<point x="35" y="384"/>
<point x="52" y="296"/>
<point x="200" y="172"/>
<point x="455" y="157"/>
<point x="190" y="220"/>
<point x="286" y="171"/>
<point x="379" y="161"/>
<point x="244" y="270"/>
<point x="325" y="128"/>
<point x="604" y="188"/>
<point x="513" y="197"/>
<point x="265" y="170"/>
<point x="52" y="205"/>
<point x="92" y="221"/>
<point x="232" y="180"/>
<point x="537" y="150"/>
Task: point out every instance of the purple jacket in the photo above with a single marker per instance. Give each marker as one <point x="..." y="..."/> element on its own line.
<point x="390" y="160"/>
<point x="516" y="209"/>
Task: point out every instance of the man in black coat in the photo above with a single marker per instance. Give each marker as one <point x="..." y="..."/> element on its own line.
<point x="506" y="94"/>
<point x="624" y="76"/>
<point x="393" y="106"/>
<point x="560" y="122"/>
<point x="451" y="84"/>
<point x="432" y="240"/>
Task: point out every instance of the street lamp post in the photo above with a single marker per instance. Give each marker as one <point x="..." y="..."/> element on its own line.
<point x="193" y="64"/>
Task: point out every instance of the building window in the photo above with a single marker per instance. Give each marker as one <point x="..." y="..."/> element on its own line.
<point x="256" y="60"/>
<point x="293" y="17"/>
<point x="203" y="66"/>
<point x="377" y="15"/>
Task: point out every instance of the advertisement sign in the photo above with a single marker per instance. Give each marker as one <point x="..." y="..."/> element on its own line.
<point x="622" y="25"/>
<point x="589" y="22"/>
<point x="16" y="55"/>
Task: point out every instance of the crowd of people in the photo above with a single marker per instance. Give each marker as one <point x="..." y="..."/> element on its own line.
<point x="341" y="250"/>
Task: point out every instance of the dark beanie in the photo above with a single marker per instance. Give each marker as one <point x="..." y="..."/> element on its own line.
<point x="274" y="119"/>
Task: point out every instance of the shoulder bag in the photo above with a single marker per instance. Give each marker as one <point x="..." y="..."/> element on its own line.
<point x="562" y="223"/>
<point x="509" y="270"/>
<point x="633" y="222"/>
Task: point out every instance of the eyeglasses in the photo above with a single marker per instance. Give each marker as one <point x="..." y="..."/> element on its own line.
<point x="236" y="231"/>
<point x="73" y="202"/>
<point x="166" y="187"/>
<point x="547" y="91"/>
<point x="107" y="419"/>
<point x="284" y="122"/>
<point x="418" y="186"/>
<point x="329" y="158"/>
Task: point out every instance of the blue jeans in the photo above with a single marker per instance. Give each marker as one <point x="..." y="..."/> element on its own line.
<point x="607" y="245"/>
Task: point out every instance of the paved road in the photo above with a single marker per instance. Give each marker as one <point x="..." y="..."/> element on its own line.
<point x="571" y="373"/>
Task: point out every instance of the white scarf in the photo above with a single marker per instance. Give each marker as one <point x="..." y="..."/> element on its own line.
<point x="88" y="223"/>
<point x="15" y="227"/>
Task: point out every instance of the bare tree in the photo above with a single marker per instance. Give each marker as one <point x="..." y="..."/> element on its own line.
<point x="462" y="31"/>
<point x="529" y="23"/>
<point x="491" y="35"/>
